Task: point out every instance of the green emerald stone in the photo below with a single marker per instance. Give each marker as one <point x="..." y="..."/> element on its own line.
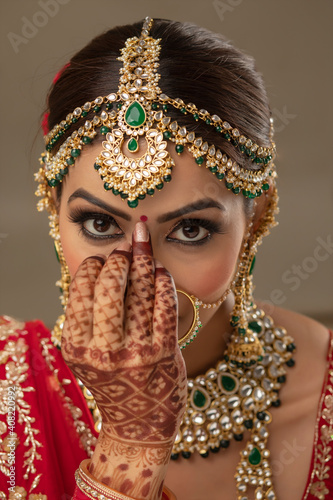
<point x="133" y="203"/>
<point x="56" y="252"/>
<point x="135" y="115"/>
<point x="166" y="134"/>
<point x="254" y="457"/>
<point x="199" y="160"/>
<point x="105" y="129"/>
<point x="199" y="399"/>
<point x="228" y="383"/>
<point x="255" y="327"/>
<point x="133" y="145"/>
<point x="75" y="153"/>
<point x="252" y="265"/>
<point x="265" y="187"/>
<point x="179" y="148"/>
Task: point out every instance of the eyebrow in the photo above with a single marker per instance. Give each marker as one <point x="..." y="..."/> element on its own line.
<point x="85" y="195"/>
<point x="191" y="207"/>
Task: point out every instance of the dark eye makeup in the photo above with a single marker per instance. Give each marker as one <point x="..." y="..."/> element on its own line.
<point x="99" y="227"/>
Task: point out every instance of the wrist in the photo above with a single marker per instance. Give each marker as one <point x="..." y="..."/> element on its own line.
<point x="90" y="488"/>
<point x="137" y="470"/>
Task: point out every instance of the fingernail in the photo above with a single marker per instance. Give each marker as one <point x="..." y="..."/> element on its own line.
<point x="141" y="240"/>
<point x="158" y="264"/>
<point x="124" y="245"/>
<point x="101" y="258"/>
<point x="141" y="233"/>
<point x="124" y="248"/>
<point x="100" y="255"/>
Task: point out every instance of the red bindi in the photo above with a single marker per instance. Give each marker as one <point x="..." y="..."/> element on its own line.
<point x="144" y="218"/>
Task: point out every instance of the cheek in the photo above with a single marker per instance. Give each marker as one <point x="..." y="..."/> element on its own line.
<point x="209" y="277"/>
<point x="209" y="281"/>
<point x="74" y="251"/>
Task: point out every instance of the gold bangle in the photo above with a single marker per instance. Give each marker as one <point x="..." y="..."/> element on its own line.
<point x="95" y="490"/>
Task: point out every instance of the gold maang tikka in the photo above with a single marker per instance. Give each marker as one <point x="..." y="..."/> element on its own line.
<point x="139" y="110"/>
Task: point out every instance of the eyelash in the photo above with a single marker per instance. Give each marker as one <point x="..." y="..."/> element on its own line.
<point x="79" y="217"/>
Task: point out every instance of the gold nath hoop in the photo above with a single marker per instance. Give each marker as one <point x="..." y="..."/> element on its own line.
<point x="196" y="322"/>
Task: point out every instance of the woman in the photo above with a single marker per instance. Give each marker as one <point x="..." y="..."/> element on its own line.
<point x="153" y="245"/>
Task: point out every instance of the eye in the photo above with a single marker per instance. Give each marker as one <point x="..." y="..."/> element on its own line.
<point x="194" y="231"/>
<point x="96" y="225"/>
<point x="99" y="226"/>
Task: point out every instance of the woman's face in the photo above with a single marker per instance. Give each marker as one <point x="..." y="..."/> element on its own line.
<point x="196" y="226"/>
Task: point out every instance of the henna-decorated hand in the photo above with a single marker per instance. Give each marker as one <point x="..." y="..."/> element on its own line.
<point x="120" y="339"/>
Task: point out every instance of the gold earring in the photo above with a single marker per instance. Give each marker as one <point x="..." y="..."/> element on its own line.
<point x="245" y="349"/>
<point x="65" y="279"/>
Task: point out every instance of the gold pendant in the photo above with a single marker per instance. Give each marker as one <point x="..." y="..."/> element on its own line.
<point x="134" y="176"/>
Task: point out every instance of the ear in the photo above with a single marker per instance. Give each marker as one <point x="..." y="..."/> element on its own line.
<point x="260" y="207"/>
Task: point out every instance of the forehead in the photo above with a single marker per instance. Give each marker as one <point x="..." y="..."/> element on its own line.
<point x="190" y="183"/>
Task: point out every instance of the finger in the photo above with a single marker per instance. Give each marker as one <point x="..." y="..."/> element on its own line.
<point x="78" y="326"/>
<point x="109" y="300"/>
<point x="165" y="320"/>
<point x="140" y="294"/>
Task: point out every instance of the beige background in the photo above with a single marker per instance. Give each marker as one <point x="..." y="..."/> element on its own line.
<point x="291" y="41"/>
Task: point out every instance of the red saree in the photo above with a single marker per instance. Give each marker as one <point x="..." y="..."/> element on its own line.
<point x="46" y="428"/>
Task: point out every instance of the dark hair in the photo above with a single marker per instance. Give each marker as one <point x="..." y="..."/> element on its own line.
<point x="196" y="65"/>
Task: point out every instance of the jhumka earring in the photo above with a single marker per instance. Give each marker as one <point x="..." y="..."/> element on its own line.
<point x="65" y="279"/>
<point x="244" y="348"/>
